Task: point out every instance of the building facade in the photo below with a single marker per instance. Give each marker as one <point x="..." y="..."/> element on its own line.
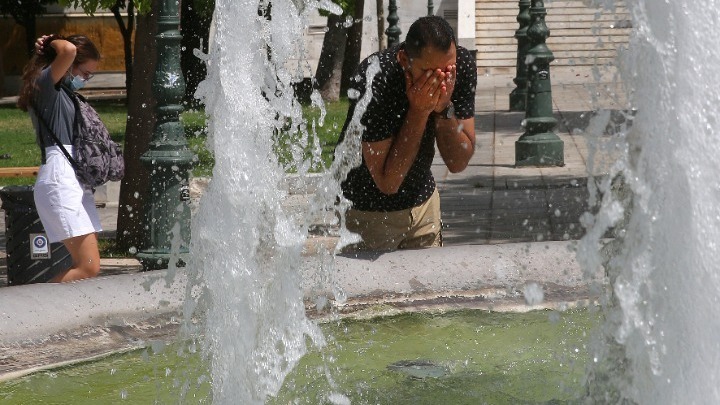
<point x="582" y="35"/>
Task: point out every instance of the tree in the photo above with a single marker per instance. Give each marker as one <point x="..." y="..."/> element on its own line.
<point x="138" y="133"/>
<point x="141" y="119"/>
<point x="195" y="20"/>
<point x="352" y="47"/>
<point x="340" y="52"/>
<point x="126" y="26"/>
<point x="24" y="13"/>
<point x="126" y="30"/>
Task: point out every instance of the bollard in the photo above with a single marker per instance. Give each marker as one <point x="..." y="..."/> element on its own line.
<point x="519" y="94"/>
<point x="539" y="146"/>
<point x="393" y="31"/>
<point x="168" y="156"/>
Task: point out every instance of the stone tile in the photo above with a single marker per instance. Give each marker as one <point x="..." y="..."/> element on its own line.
<point x="519" y="199"/>
<point x="466" y="200"/>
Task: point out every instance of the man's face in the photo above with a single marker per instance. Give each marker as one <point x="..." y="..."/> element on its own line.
<point x="430" y="59"/>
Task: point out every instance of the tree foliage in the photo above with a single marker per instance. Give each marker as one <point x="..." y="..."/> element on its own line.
<point x="24" y="13"/>
<point x="91" y="6"/>
<point x="347" y="6"/>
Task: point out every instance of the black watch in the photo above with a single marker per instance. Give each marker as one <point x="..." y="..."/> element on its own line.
<point x="447" y="113"/>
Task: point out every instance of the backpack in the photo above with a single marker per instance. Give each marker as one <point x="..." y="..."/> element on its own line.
<point x="97" y="158"/>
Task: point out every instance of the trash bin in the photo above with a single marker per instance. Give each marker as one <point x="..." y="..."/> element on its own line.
<point x="29" y="258"/>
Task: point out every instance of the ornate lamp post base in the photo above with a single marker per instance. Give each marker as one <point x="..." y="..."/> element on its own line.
<point x="541" y="149"/>
<point x="539" y="146"/>
<point x="157" y="259"/>
<point x="168" y="157"/>
<point x="168" y="212"/>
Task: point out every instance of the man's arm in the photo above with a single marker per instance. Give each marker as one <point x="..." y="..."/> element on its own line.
<point x="390" y="160"/>
<point x="455" y="141"/>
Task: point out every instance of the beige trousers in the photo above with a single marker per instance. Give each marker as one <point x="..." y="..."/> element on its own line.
<point x="406" y="229"/>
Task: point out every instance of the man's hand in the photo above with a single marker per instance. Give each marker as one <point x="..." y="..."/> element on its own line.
<point x="424" y="93"/>
<point x="447" y="87"/>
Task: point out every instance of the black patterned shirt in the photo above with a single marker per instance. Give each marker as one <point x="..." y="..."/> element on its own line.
<point x="383" y="119"/>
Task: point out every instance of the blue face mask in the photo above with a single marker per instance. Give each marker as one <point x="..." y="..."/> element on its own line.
<point x="75" y="82"/>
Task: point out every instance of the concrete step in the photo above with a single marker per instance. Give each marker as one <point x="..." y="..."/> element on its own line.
<point x="580" y="35"/>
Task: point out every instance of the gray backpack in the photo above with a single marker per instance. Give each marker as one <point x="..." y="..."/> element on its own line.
<point x="97" y="158"/>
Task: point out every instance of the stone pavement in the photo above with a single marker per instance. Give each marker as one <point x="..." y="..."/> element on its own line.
<point x="492" y="202"/>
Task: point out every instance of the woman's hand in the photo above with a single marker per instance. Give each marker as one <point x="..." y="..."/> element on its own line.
<point x="40" y="44"/>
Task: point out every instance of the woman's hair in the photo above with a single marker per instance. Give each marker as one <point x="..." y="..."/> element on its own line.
<point x="427" y="31"/>
<point x="86" y="51"/>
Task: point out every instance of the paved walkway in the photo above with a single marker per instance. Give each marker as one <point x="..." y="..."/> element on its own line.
<point x="492" y="202"/>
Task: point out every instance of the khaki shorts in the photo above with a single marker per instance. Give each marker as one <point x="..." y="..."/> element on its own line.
<point x="406" y="229"/>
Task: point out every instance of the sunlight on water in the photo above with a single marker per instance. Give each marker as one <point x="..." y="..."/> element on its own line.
<point x="245" y="250"/>
<point x="663" y="201"/>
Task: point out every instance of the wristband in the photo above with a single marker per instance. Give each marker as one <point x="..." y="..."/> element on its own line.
<point x="447" y="113"/>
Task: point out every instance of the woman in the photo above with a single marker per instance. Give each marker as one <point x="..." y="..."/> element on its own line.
<point x="66" y="207"/>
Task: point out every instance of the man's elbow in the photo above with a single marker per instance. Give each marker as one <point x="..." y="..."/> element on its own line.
<point x="457" y="164"/>
<point x="457" y="167"/>
<point x="389" y="189"/>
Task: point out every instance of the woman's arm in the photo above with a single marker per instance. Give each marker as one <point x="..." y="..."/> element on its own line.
<point x="65" y="53"/>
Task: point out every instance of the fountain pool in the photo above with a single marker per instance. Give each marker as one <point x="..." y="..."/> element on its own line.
<point x="459" y="357"/>
<point x="658" y="343"/>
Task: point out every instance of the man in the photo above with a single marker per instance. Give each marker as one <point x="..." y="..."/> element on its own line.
<point x="423" y="94"/>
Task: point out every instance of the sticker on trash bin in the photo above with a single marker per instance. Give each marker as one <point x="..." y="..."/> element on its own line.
<point x="184" y="193"/>
<point x="39" y="247"/>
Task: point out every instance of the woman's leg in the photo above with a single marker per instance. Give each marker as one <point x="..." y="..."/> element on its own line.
<point x="86" y="258"/>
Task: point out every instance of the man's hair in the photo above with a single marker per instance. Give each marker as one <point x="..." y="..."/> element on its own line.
<point x="427" y="31"/>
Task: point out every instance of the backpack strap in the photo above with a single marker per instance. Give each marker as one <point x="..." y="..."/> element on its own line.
<point x="76" y="98"/>
<point x="43" y="158"/>
<point x="72" y="161"/>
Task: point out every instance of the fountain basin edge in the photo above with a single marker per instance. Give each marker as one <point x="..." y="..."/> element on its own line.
<point x="43" y="326"/>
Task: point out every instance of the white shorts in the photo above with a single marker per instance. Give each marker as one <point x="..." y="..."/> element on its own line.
<point x="66" y="207"/>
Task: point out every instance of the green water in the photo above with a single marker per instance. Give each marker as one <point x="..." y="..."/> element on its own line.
<point x="465" y="357"/>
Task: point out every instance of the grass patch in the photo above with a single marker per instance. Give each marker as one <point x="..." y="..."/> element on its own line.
<point x="18" y="147"/>
<point x="108" y="248"/>
<point x="288" y="145"/>
<point x="17" y="136"/>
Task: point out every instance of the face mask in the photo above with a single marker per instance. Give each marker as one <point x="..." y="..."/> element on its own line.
<point x="75" y="82"/>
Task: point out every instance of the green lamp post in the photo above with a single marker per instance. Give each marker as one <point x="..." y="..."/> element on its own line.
<point x="539" y="146"/>
<point x="393" y="31"/>
<point x="431" y="7"/>
<point x="519" y="94"/>
<point x="167" y="212"/>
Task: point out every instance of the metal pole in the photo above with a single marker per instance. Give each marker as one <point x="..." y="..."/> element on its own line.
<point x="431" y="7"/>
<point x="167" y="213"/>
<point x="519" y="94"/>
<point x="539" y="146"/>
<point x="393" y="32"/>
